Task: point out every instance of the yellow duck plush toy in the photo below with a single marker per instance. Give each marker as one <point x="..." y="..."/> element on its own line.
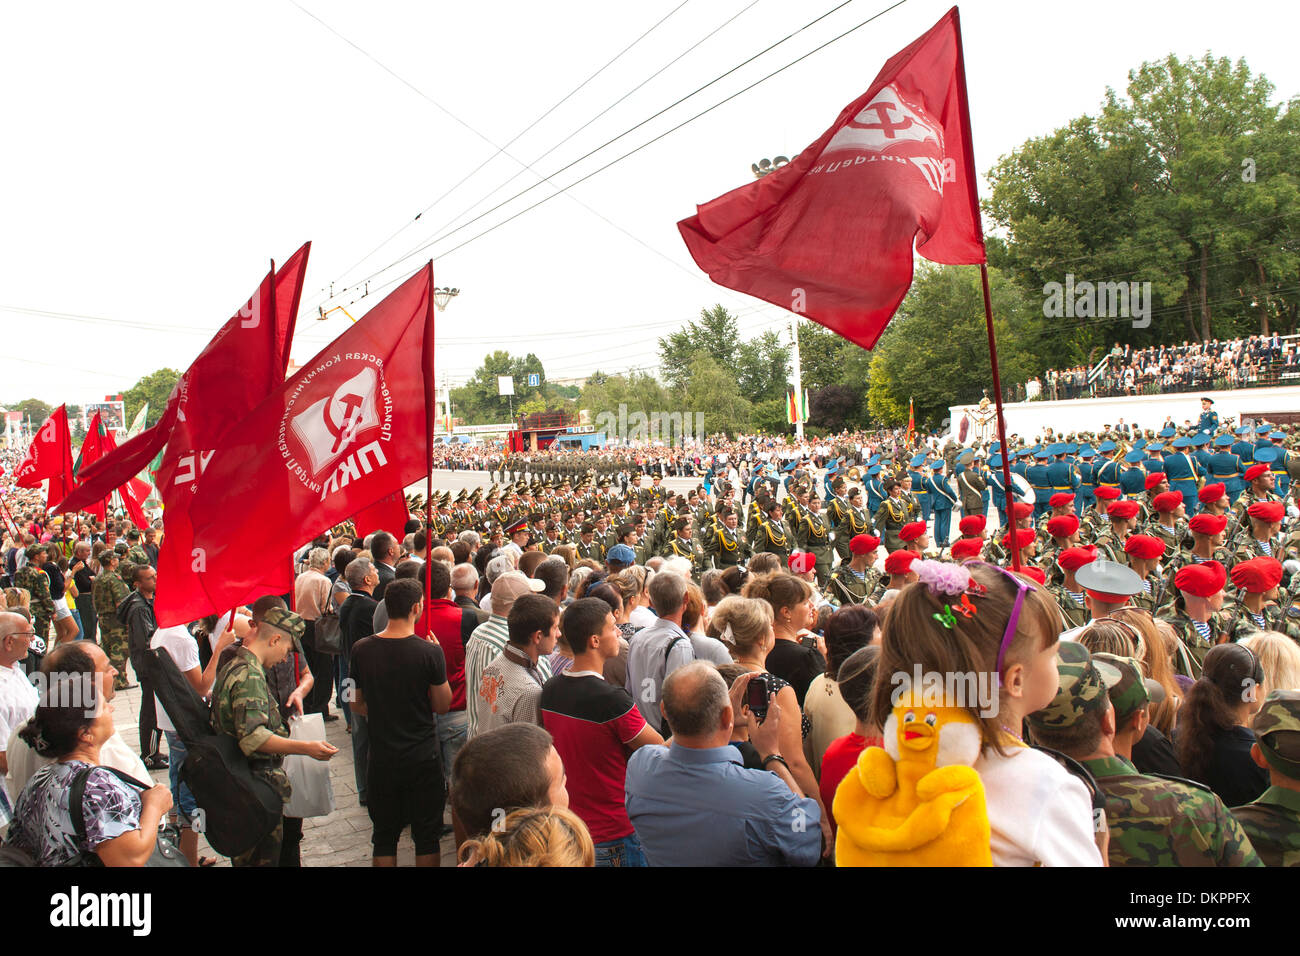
<point x="918" y="801"/>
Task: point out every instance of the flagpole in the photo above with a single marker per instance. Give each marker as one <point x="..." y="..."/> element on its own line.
<point x="1002" y="425"/>
<point x="430" y="414"/>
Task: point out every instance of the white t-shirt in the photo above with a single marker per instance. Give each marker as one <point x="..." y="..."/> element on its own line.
<point x="641" y="617"/>
<point x="184" y="650"/>
<point x="18" y="700"/>
<point x="1039" y="814"/>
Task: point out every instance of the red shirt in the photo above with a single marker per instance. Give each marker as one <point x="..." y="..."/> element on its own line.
<point x="838" y="760"/>
<point x="443" y="618"/>
<point x="591" y="723"/>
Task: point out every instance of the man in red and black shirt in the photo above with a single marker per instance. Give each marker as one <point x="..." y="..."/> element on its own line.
<point x="596" y="727"/>
<point x="444" y="620"/>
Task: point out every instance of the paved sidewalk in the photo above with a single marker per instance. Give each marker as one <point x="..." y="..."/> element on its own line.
<point x="340" y="839"/>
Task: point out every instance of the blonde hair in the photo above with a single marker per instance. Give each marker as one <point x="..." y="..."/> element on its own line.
<point x="1158" y="641"/>
<point x="18" y="597"/>
<point x="1278" y="656"/>
<point x="534" y="837"/>
<point x="630" y="583"/>
<point x="743" y="623"/>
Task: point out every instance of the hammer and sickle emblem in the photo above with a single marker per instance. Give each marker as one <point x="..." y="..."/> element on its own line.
<point x="346" y="430"/>
<point x="886" y="124"/>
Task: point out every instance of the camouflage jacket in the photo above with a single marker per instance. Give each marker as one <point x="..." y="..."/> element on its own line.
<point x="1156" y="821"/>
<point x="1156" y="593"/>
<point x="109" y="591"/>
<point x="1173" y="539"/>
<point x="846" y="588"/>
<point x="1275" y="618"/>
<point x="1076" y="615"/>
<point x="1272" y="823"/>
<point x="1197" y="646"/>
<point x="136" y="554"/>
<point x="242" y="707"/>
<point x="37" y="583"/>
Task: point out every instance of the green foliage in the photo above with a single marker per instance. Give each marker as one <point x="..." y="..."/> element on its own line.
<point x="715" y="333"/>
<point x="35" y="410"/>
<point x="477" y="402"/>
<point x="936" y="349"/>
<point x="714" y="394"/>
<point x="1187" y="183"/>
<point x="155" y="388"/>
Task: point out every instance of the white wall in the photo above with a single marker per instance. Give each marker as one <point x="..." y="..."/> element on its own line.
<point x="1028" y="419"/>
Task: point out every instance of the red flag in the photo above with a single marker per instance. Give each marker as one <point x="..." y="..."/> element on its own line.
<point x="350" y="427"/>
<point x="389" y="514"/>
<point x="830" y="235"/>
<point x="134" y="494"/>
<point x="50" y="456"/>
<point x="240" y="366"/>
<point x="94" y="446"/>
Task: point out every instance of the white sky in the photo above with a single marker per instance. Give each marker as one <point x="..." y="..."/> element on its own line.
<point x="159" y="154"/>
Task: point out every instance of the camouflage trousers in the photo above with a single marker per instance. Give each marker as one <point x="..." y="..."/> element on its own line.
<point x="114" y="642"/>
<point x="267" y="851"/>
<point x="41" y="625"/>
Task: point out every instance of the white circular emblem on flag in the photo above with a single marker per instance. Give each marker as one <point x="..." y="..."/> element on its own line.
<point x="336" y="420"/>
<point x="895" y="126"/>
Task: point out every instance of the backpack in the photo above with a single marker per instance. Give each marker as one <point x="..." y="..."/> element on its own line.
<point x="239" y="808"/>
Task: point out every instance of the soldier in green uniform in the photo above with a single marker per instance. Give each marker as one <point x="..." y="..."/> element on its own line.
<point x="1068" y="592"/>
<point x="814" y="535"/>
<point x="1260" y="488"/>
<point x="1197" y="614"/>
<point x="770" y="534"/>
<point x="588" y="547"/>
<point x="895" y="511"/>
<point x="683" y="544"/>
<point x="1153" y="821"/>
<point x="724" y="543"/>
<point x="1255" y="608"/>
<point x="37" y="584"/>
<point x="135" y="552"/>
<point x="109" y="591"/>
<point x="855" y="580"/>
<point x="1259" y="533"/>
<point x="1273" y="821"/>
<point x="1143" y="552"/>
<point x="243" y="708"/>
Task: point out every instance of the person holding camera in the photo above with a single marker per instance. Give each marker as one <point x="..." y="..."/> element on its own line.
<point x="693" y="803"/>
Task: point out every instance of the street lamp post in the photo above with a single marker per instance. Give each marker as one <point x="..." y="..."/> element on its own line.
<point x="761" y="169"/>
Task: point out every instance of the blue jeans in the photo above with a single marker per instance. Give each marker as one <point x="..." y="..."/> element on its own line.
<point x="453" y="727"/>
<point x="622" y="852"/>
<point x="182" y="800"/>
<point x="76" y="616"/>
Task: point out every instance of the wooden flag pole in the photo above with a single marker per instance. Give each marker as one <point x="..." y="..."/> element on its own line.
<point x="1003" y="448"/>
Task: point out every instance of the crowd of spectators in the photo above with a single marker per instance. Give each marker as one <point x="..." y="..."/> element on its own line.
<point x="1214" y="365"/>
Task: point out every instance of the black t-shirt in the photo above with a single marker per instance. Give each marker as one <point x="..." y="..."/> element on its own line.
<point x="84" y="580"/>
<point x="356" y="618"/>
<point x="56" y="580"/>
<point x="797" y="664"/>
<point x="394" y="676"/>
<point x="1232" y="774"/>
<point x="1154" y="753"/>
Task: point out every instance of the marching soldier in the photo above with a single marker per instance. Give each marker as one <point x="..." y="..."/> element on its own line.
<point x="895" y="511"/>
<point x="1196" y="614"/>
<point x="770" y="534"/>
<point x="855" y="580"/>
<point x="814" y="535"/>
<point x="684" y="545"/>
<point x="724" y="542"/>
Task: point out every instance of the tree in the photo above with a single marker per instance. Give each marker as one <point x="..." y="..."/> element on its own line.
<point x="936" y="349"/>
<point x="832" y="407"/>
<point x="715" y="397"/>
<point x="478" y="401"/>
<point x="763" y="367"/>
<point x="716" y="333"/>
<point x="34" y="410"/>
<point x="155" y="388"/>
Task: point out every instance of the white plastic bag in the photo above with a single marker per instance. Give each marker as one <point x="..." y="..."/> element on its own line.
<point x="313" y="794"/>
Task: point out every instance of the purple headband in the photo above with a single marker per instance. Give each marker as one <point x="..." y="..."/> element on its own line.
<point x="1009" y="634"/>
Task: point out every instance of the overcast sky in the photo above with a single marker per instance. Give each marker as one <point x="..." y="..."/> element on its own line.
<point x="159" y="154"/>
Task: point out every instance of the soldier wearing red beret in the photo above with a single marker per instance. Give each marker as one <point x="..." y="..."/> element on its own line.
<point x="1255" y="608"/>
<point x="1259" y="487"/>
<point x="1095" y="520"/>
<point x="1197" y="614"/>
<point x="1123" y="519"/>
<point x="1144" y="552"/>
<point x="856" y="581"/>
<point x="1170" y="521"/>
<point x="1067" y="591"/>
<point x="1259" y="536"/>
<point x="1156" y="484"/>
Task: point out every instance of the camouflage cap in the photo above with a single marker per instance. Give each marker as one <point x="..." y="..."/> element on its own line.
<point x="36" y="550"/>
<point x="1129" y="689"/>
<point x="286" y="621"/>
<point x="1082" y="689"/>
<point x="1277" y="730"/>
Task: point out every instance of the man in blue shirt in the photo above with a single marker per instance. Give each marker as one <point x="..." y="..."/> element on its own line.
<point x="694" y="804"/>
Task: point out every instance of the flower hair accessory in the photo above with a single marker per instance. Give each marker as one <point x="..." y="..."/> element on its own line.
<point x="943" y="578"/>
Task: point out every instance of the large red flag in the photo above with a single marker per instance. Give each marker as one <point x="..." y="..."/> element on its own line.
<point x="350" y="427"/>
<point x="240" y="366"/>
<point x="134" y="494"/>
<point x="831" y="234"/>
<point x="50" y="456"/>
<point x="389" y="514"/>
<point x="94" y="446"/>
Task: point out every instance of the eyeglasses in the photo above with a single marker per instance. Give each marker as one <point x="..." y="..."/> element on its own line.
<point x="27" y="634"/>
